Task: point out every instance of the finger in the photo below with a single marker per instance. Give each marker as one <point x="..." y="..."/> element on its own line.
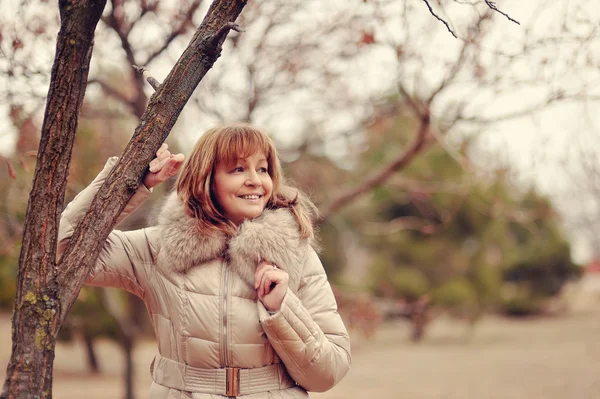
<point x="270" y="278"/>
<point x="262" y="266"/>
<point x="265" y="284"/>
<point x="163" y="148"/>
<point x="170" y="169"/>
<point x="161" y="155"/>
<point x="158" y="163"/>
<point x="258" y="277"/>
<point x="164" y="156"/>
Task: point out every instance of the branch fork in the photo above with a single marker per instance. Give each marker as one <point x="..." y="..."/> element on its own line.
<point x="216" y="41"/>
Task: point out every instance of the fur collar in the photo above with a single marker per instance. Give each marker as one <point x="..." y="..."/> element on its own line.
<point x="273" y="236"/>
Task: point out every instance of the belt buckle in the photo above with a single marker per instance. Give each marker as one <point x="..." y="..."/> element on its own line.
<point x="233" y="382"/>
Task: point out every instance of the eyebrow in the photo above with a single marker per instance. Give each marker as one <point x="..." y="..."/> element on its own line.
<point x="244" y="160"/>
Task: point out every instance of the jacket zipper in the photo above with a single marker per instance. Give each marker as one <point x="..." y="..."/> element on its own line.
<point x="225" y="295"/>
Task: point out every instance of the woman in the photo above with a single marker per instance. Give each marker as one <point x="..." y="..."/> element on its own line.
<point x="238" y="298"/>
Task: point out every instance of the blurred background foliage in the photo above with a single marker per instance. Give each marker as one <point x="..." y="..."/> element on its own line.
<point x="441" y="236"/>
<point x="471" y="241"/>
<point x="468" y="241"/>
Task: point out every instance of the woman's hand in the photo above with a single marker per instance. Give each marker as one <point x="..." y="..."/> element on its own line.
<point x="271" y="284"/>
<point x="163" y="167"/>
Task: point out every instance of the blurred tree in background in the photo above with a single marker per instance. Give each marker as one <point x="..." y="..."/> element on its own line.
<point x="470" y="240"/>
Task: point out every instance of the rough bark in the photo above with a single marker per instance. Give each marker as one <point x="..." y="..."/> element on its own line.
<point x="37" y="305"/>
<point x="47" y="290"/>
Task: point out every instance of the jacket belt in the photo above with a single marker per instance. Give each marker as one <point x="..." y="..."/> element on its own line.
<point x="225" y="381"/>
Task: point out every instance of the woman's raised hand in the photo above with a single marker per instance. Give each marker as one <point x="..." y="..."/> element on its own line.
<point x="271" y="284"/>
<point x="163" y="167"/>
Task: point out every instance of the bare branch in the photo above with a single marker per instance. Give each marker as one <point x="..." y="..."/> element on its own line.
<point x="529" y="110"/>
<point x="492" y="5"/>
<point x="9" y="166"/>
<point x="440" y="19"/>
<point x="176" y="32"/>
<point x="111" y="91"/>
<point x="115" y="21"/>
<point x="414" y="104"/>
<point x="382" y="175"/>
<point x="468" y="43"/>
<point x="396" y="225"/>
<point x="146" y="74"/>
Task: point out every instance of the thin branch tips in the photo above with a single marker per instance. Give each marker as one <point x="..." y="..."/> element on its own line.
<point x="149" y="78"/>
<point x="492" y="5"/>
<point x="440" y="19"/>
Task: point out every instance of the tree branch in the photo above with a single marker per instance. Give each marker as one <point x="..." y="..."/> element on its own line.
<point x="492" y="5"/>
<point x="216" y="41"/>
<point x="108" y="89"/>
<point x="382" y="175"/>
<point x="396" y="225"/>
<point x="117" y="22"/>
<point x="175" y="33"/>
<point x="440" y="19"/>
<point x="471" y="40"/>
<point x="146" y="74"/>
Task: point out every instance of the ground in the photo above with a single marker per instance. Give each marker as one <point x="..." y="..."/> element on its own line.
<point x="550" y="358"/>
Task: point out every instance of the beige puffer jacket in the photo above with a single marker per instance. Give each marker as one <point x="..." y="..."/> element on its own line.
<point x="214" y="337"/>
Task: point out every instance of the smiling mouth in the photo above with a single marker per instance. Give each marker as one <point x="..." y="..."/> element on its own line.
<point x="250" y="197"/>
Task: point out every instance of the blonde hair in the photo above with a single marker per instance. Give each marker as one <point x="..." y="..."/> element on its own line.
<point x="226" y="144"/>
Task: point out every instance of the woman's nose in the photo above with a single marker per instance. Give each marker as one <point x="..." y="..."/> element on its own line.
<point x="253" y="179"/>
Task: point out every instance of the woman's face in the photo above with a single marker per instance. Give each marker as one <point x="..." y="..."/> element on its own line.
<point x="243" y="188"/>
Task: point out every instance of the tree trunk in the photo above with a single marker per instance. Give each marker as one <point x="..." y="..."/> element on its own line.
<point x="37" y="305"/>
<point x="92" y="359"/>
<point x="46" y="291"/>
<point x="127" y="331"/>
<point x="127" y="343"/>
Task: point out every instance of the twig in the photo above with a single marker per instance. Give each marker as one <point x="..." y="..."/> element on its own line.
<point x="108" y="89"/>
<point x="492" y="5"/>
<point x="9" y="166"/>
<point x="217" y="39"/>
<point x="441" y="20"/>
<point x="146" y="73"/>
<point x="178" y="31"/>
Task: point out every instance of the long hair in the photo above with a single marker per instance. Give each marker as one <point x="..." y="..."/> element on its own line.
<point x="226" y="144"/>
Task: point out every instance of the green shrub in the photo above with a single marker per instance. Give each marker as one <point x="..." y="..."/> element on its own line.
<point x="409" y="283"/>
<point x="521" y="306"/>
<point x="455" y="293"/>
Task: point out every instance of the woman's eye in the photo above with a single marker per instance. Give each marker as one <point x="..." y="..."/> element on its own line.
<point x="238" y="169"/>
<point x="262" y="170"/>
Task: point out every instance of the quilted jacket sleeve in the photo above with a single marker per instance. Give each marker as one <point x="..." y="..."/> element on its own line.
<point x="308" y="333"/>
<point x="120" y="262"/>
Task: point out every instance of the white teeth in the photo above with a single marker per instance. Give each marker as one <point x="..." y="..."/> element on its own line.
<point x="250" y="197"/>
